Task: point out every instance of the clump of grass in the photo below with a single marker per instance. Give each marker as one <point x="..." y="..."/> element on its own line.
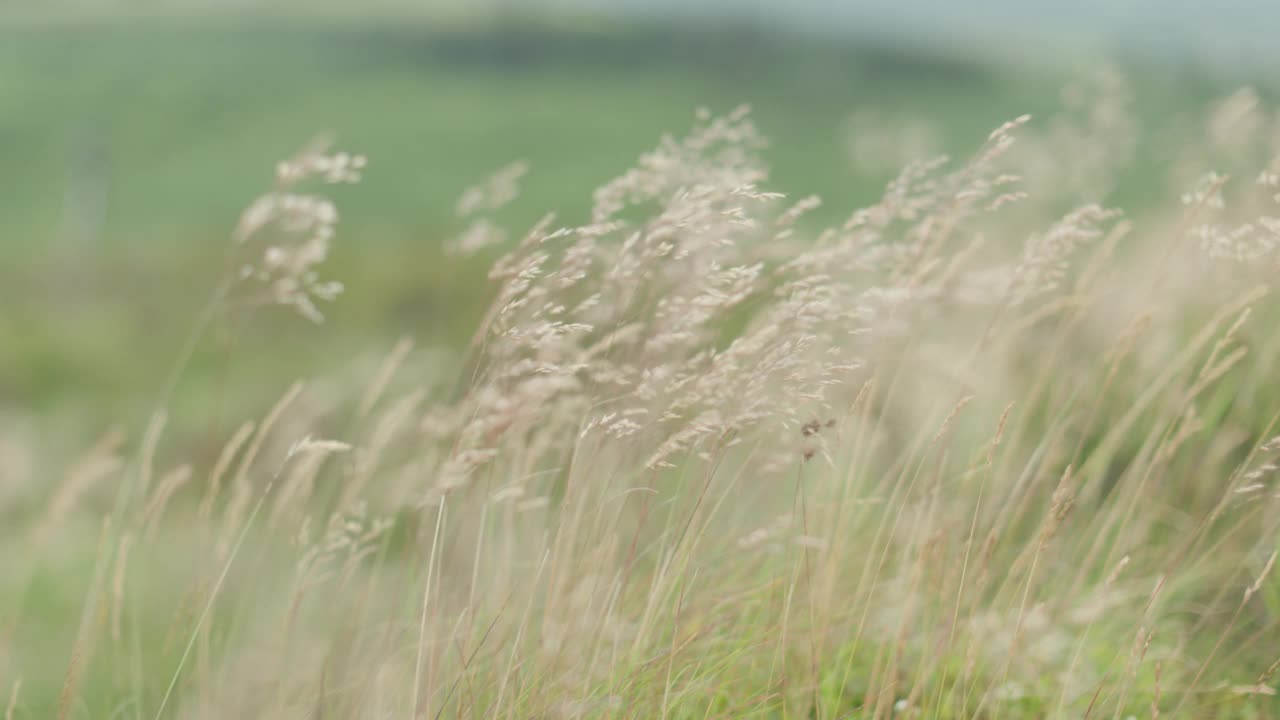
<point x="965" y="454"/>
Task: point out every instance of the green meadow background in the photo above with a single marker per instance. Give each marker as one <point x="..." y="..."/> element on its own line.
<point x="130" y="145"/>
<point x="130" y="142"/>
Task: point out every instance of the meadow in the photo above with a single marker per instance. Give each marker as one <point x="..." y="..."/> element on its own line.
<point x="140" y="141"/>
<point x="673" y="373"/>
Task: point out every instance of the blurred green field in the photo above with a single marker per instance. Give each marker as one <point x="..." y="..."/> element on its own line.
<point x="130" y="149"/>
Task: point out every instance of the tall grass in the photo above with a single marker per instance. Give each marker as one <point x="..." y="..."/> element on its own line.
<point x="987" y="449"/>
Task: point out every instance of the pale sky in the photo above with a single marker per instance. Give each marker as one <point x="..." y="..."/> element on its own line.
<point x="1247" y="28"/>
